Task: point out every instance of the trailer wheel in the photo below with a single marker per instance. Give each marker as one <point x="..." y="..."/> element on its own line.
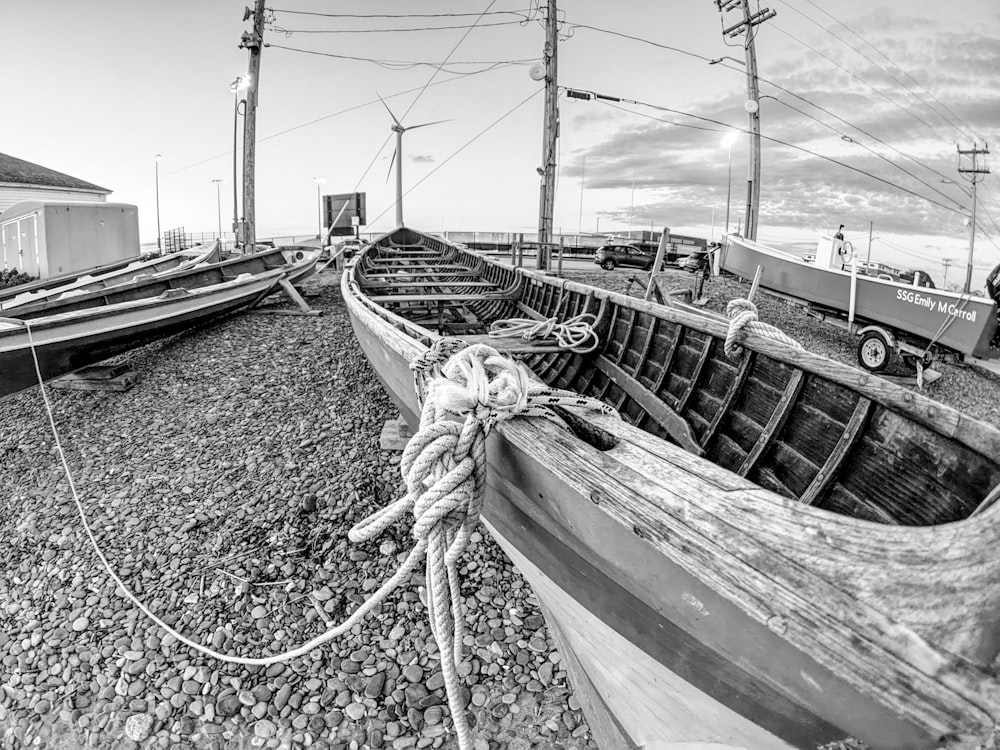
<point x="874" y="352"/>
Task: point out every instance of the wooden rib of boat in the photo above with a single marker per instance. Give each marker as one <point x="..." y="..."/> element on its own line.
<point x="963" y="324"/>
<point x="770" y="551"/>
<point x="67" y="341"/>
<point x="105" y="276"/>
<point x="296" y="265"/>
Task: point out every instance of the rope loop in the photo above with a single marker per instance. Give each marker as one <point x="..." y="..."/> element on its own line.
<point x="575" y="334"/>
<point x="743" y="316"/>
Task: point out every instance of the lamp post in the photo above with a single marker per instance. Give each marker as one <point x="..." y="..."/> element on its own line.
<point x="218" y="200"/>
<point x="159" y="243"/>
<point x="728" y="141"/>
<point x="240" y="84"/>
<point x="319" y="208"/>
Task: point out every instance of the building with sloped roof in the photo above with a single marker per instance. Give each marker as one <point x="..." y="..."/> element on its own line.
<point x="22" y="180"/>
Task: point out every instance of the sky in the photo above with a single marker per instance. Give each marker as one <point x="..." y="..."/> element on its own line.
<point x="864" y="105"/>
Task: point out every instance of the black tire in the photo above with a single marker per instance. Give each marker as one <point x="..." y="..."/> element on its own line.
<point x="874" y="352"/>
<point x="608" y="264"/>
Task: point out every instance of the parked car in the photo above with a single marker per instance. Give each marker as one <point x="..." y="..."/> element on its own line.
<point x="616" y="254"/>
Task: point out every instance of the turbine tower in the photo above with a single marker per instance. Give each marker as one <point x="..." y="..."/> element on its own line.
<point x="397" y="155"/>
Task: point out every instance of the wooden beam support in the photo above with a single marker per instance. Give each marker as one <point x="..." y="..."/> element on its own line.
<point x="699" y="366"/>
<point x="746" y="365"/>
<point x="778" y="417"/>
<point x="671" y="421"/>
<point x="848" y="439"/>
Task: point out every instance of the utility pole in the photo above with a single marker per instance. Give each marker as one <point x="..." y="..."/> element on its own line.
<point x="868" y="260"/>
<point x="947" y="262"/>
<point x="752" y="104"/>
<point x="546" y="203"/>
<point x="254" y="42"/>
<point x="975" y="173"/>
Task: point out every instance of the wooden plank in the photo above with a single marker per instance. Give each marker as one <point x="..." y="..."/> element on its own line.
<point x="777" y="420"/>
<point x="746" y="365"/>
<point x="515" y="345"/>
<point x="119" y="383"/>
<point x="673" y="423"/>
<point x="848" y="439"/>
<point x="382" y="299"/>
<point x="699" y="366"/>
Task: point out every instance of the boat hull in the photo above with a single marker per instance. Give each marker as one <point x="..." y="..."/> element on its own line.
<point x="694" y="608"/>
<point x="963" y="323"/>
<point x="65" y="343"/>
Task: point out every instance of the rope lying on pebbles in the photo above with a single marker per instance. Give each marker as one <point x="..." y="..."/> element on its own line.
<point x="366" y="530"/>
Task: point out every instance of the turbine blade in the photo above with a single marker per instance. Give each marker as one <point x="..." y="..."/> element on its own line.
<point x="425" y="124"/>
<point x="387" y="109"/>
<point x="391" y="162"/>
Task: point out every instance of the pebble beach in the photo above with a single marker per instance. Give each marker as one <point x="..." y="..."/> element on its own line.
<point x="221" y="488"/>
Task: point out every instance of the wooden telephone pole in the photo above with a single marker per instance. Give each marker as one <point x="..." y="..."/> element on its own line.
<point x="752" y="103"/>
<point x="252" y="41"/>
<point x="546" y="203"/>
<point x="975" y="172"/>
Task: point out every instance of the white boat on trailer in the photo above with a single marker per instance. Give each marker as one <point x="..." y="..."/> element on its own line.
<point x="920" y="323"/>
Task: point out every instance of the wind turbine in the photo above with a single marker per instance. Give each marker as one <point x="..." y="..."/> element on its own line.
<point x="397" y="155"/>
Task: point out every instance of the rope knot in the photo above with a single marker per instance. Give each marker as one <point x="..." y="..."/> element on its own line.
<point x="479" y="383"/>
<point x="743" y="315"/>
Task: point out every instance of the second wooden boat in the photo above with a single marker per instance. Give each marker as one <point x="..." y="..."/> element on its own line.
<point x="62" y="343"/>
<point x="296" y="265"/>
<point x="105" y="276"/>
<point x="768" y="550"/>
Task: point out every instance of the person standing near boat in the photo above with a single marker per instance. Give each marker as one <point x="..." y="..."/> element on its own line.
<point x="839" y="246"/>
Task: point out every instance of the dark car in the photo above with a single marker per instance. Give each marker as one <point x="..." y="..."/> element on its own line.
<point x="614" y="254"/>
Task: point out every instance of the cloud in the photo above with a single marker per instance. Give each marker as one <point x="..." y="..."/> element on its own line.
<point x="422" y="159"/>
<point x="904" y="103"/>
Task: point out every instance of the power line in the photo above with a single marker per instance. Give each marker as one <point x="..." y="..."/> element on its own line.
<point x="316" y="120"/>
<point x="401" y="15"/>
<point x="288" y="32"/>
<point x="446" y="59"/>
<point x="858" y="78"/>
<point x="640" y="39"/>
<point x="408" y="64"/>
<point x="884" y="158"/>
<point x="956" y="120"/>
<point x="609" y="100"/>
<point x="771" y="83"/>
<point x="461" y="148"/>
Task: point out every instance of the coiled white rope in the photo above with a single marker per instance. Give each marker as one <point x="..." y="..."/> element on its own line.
<point x="743" y="315"/>
<point x="576" y="334"/>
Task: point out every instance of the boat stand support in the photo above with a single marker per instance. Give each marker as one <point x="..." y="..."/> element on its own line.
<point x="296" y="297"/>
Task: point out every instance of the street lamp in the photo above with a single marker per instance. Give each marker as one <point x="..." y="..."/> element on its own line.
<point x="319" y="208"/>
<point x="218" y="200"/>
<point x="241" y="83"/>
<point x="159" y="244"/>
<point x="728" y="141"/>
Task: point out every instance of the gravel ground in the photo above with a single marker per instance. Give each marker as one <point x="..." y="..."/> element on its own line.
<point x="221" y="488"/>
<point x="965" y="387"/>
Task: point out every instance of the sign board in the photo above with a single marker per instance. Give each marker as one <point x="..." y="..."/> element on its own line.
<point x="343" y="211"/>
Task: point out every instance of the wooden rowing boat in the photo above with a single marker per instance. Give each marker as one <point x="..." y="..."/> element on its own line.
<point x="296" y="265"/>
<point x="768" y="551"/>
<point x="64" y="342"/>
<point x="105" y="276"/>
